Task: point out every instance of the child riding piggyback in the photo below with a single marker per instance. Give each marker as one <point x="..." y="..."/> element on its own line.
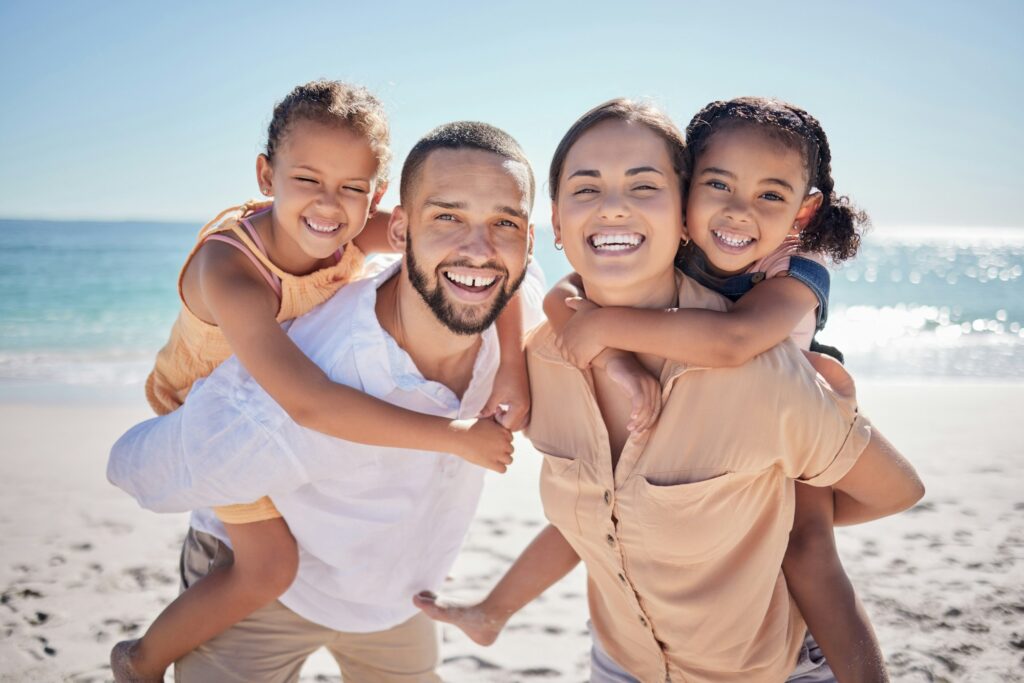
<point x="254" y="268"/>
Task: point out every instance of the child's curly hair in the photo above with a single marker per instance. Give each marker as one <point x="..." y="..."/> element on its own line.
<point x="835" y="228"/>
<point x="334" y="102"/>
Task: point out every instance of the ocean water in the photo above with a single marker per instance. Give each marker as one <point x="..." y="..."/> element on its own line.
<point x="87" y="304"/>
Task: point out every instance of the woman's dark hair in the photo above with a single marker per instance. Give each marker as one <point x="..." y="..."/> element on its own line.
<point x="334" y="103"/>
<point x="619" y="109"/>
<point x="835" y="228"/>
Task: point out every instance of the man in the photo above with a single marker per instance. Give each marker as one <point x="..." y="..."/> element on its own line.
<point x="374" y="525"/>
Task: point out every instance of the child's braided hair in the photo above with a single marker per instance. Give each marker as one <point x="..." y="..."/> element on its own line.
<point x="835" y="228"/>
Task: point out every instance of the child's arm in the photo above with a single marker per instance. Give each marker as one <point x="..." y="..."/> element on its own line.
<point x="374" y="237"/>
<point x="762" y="318"/>
<point x="881" y="483"/>
<point x="547" y="559"/>
<point x="233" y="296"/>
<point x="643" y="389"/>
<point x="824" y="595"/>
<point x="511" y="383"/>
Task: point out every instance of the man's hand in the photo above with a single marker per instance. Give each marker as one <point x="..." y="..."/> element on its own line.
<point x="578" y="340"/>
<point x="509" y="403"/>
<point x="483" y="442"/>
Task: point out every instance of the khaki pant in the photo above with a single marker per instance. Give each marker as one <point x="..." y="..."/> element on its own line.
<point x="272" y="643"/>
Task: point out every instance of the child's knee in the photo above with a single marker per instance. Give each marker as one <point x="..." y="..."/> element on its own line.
<point x="266" y="562"/>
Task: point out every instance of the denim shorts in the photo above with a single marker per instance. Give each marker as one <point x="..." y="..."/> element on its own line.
<point x="811" y="666"/>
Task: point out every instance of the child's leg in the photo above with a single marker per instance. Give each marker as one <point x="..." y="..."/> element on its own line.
<point x="822" y="591"/>
<point x="547" y="559"/>
<point x="266" y="560"/>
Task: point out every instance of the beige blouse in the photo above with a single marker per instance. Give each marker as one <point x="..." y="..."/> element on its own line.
<point x="684" y="541"/>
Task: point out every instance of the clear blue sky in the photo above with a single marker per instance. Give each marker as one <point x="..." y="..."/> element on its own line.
<point x="156" y="110"/>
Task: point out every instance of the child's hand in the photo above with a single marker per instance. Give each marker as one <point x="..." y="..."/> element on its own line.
<point x="643" y="389"/>
<point x="833" y="372"/>
<point x="483" y="442"/>
<point x="509" y="403"/>
<point x="578" y="340"/>
<point x="474" y="620"/>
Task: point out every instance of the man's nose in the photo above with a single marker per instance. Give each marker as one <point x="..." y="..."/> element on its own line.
<point x="479" y="243"/>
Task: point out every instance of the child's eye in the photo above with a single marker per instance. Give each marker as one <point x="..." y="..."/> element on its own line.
<point x="773" y="196"/>
<point x="356" y="189"/>
<point x="717" y="184"/>
<point x="305" y="180"/>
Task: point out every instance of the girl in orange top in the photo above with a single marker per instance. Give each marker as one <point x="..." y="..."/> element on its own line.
<point x="325" y="166"/>
<point x="617" y="221"/>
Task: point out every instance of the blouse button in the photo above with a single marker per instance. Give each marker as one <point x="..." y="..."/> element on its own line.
<point x="608" y="497"/>
<point x="610" y="539"/>
<point x="622" y="577"/>
<point x="643" y="622"/>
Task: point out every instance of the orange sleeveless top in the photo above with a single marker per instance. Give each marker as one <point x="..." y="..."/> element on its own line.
<point x="196" y="347"/>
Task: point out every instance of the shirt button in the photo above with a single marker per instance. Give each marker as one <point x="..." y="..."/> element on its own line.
<point x="622" y="577"/>
<point x="643" y="622"/>
<point x="611" y="540"/>
<point x="608" y="497"/>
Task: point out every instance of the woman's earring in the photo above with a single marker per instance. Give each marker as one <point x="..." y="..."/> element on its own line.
<point x="558" y="244"/>
<point x="684" y="241"/>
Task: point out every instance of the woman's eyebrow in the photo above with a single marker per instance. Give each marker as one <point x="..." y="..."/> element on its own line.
<point x="643" y="169"/>
<point x="589" y="173"/>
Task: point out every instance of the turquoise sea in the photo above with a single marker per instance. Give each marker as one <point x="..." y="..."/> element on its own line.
<point x="85" y="305"/>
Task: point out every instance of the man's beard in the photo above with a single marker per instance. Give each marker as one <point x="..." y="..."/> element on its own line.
<point x="438" y="302"/>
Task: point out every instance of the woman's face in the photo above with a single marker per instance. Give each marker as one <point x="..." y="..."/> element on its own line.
<point x="619" y="214"/>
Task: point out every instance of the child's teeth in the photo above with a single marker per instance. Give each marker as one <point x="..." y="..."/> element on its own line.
<point x="734" y="241"/>
<point x="321" y="227"/>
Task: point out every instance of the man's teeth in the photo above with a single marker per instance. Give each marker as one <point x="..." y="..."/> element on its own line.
<point x="733" y="241"/>
<point x="321" y="226"/>
<point x="609" y="242"/>
<point x="470" y="281"/>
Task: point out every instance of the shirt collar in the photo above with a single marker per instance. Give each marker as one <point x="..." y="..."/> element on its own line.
<point x="385" y="367"/>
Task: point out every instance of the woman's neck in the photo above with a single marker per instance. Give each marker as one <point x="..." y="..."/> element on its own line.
<point x="661" y="291"/>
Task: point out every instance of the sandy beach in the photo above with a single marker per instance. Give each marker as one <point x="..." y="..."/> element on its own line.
<point x="82" y="566"/>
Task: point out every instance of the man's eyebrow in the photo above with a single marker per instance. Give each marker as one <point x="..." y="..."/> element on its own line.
<point x="441" y="204"/>
<point x="589" y="173"/>
<point x="643" y="169"/>
<point x="512" y="211"/>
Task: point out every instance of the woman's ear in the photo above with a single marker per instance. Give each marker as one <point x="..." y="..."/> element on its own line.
<point x="264" y="175"/>
<point x="556" y="226"/>
<point x="808" y="207"/>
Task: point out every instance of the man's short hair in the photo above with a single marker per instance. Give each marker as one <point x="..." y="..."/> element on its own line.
<point x="461" y="135"/>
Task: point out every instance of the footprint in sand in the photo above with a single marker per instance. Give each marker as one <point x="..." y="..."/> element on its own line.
<point x="538" y="672"/>
<point x="478" y="663"/>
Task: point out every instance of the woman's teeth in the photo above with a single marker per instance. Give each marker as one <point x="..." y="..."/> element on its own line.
<point x="321" y="226"/>
<point x="470" y="281"/>
<point x="733" y="241"/>
<point x="621" y="242"/>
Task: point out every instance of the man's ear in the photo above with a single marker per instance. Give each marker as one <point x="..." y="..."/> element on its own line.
<point x="264" y="175"/>
<point x="398" y="228"/>
<point x="377" y="196"/>
<point x="530" y="239"/>
<point x="808" y="207"/>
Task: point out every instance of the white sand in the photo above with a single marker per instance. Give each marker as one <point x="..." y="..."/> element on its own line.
<point x="82" y="567"/>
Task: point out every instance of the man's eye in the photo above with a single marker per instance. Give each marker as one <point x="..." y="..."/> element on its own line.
<point x="445" y="217"/>
<point x="505" y="223"/>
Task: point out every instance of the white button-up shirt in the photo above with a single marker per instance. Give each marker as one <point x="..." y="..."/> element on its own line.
<point x="374" y="525"/>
